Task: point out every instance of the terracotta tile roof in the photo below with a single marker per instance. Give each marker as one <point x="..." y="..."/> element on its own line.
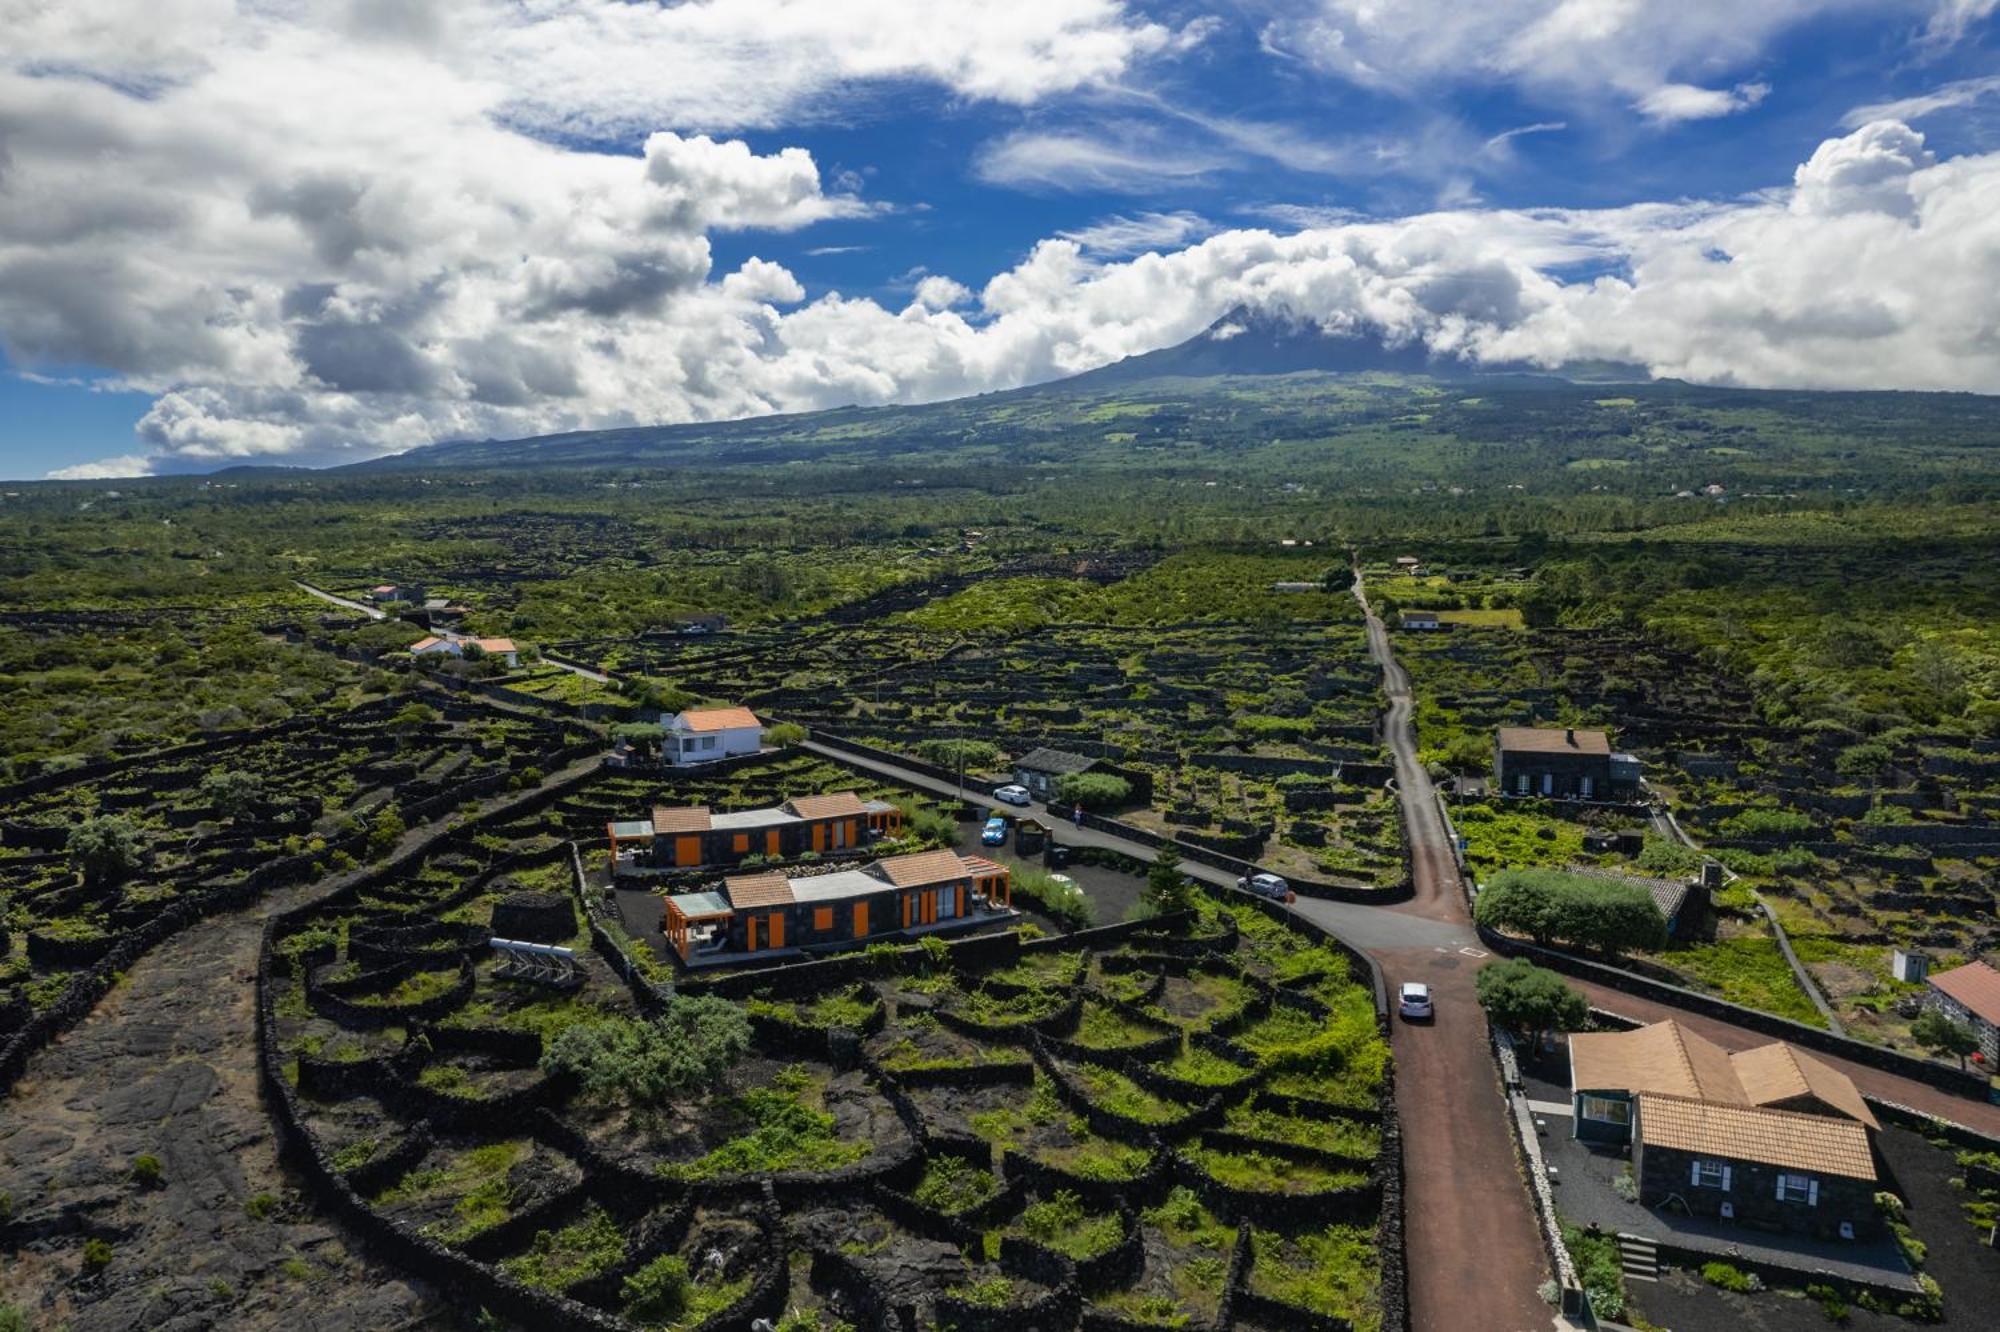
<point x="495" y="644"/>
<point x="925" y="867"/>
<point x="1778" y="1072"/>
<point x="1553" y="740"/>
<point x="717" y="719"/>
<point x="750" y="891"/>
<point x="1664" y="1057"/>
<point x="983" y="867"/>
<point x="1975" y="985"/>
<point x="1816" y="1143"/>
<point x="427" y="642"/>
<point x="831" y="806"/>
<point x="1669" y="895"/>
<point x="686" y="819"/>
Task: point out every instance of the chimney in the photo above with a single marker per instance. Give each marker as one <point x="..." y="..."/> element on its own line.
<point x="1570" y="735"/>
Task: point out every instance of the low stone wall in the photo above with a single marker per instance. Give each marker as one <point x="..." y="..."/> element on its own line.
<point x="1938" y="1075"/>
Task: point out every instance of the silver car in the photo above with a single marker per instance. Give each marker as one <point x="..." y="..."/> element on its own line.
<point x="1266" y="885"/>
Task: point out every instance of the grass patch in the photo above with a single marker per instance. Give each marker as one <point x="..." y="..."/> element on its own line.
<point x="561" y="1258"/>
<point x="1061" y="1223"/>
<point x="1259" y="1173"/>
<point x="1334" y="1271"/>
<point x="786" y="1128"/>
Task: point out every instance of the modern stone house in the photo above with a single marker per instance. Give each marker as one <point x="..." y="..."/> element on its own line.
<point x="703" y="735"/>
<point x="1970" y="994"/>
<point x="1770" y="1136"/>
<point x="689" y="836"/>
<point x="1562" y="762"/>
<point x="769" y="913"/>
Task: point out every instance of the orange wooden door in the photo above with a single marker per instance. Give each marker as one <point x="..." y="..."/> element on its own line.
<point x="750" y="934"/>
<point x="687" y="851"/>
<point x="777" y="929"/>
<point x="771" y="842"/>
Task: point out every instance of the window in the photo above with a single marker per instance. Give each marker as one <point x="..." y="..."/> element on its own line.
<point x="741" y="843"/>
<point x="1798" y="1189"/>
<point x="1710" y="1175"/>
<point x="822" y="919"/>
<point x="1607" y="1109"/>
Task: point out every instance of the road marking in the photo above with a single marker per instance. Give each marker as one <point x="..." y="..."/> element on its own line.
<point x="1473" y="952"/>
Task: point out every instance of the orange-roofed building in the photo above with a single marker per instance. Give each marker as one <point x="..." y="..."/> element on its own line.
<point x="693" y="836"/>
<point x="703" y="735"/>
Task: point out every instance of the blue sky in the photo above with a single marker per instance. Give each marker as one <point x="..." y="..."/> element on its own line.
<point x="229" y="235"/>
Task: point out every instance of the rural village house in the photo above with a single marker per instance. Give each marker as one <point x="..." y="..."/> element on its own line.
<point x="1970" y="994"/>
<point x="434" y="646"/>
<point x="1421" y="619"/>
<point x="702" y="735"/>
<point x="682" y="838"/>
<point x="1040" y="769"/>
<point x="1562" y="762"/>
<point x="756" y="913"/>
<point x="1769" y="1136"/>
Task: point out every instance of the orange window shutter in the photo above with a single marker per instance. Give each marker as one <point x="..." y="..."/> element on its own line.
<point x="906" y="911"/>
<point x="860" y="920"/>
<point x="742" y="843"/>
<point x="822" y="919"/>
<point x="777" y="929"/>
<point x="750" y="934"/>
<point x="687" y="851"/>
<point x="771" y="842"/>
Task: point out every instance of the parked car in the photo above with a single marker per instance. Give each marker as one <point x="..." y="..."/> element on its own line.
<point x="1013" y="795"/>
<point x="994" y="833"/>
<point x="1266" y="885"/>
<point x="1414" y="1002"/>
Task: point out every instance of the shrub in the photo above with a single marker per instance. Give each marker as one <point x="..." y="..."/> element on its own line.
<point x="952" y="1185"/>
<point x="1608" y="915"/>
<point x="105" y="849"/>
<point x="1831" y="1302"/>
<point x="12" y="1318"/>
<point x="1066" y="903"/>
<point x="992" y="1292"/>
<point x="657" y="1292"/>
<point x="261" y="1206"/>
<point x="1519" y="996"/>
<point x="694" y="1041"/>
<point x="147" y="1170"/>
<point x="1093" y="790"/>
<point x="1727" y="1277"/>
<point x="96" y="1255"/>
<point x="784" y="735"/>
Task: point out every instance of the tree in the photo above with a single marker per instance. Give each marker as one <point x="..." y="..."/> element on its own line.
<point x="1092" y="790"/>
<point x="1587" y="911"/>
<point x="413" y="717"/>
<point x="385" y="830"/>
<point x="784" y="735"/>
<point x="1868" y="759"/>
<point x="231" y="791"/>
<point x="695" y="1040"/>
<point x="1934" y="1031"/>
<point x="1528" y="1000"/>
<point x="105" y="849"/>
<point x="1167" y="890"/>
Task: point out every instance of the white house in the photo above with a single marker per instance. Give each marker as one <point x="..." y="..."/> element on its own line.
<point x="702" y="735"/>
<point x="434" y="646"/>
<point x="1421" y="619"/>
<point x="1970" y="995"/>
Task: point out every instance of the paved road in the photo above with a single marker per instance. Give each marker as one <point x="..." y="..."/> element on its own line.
<point x="342" y="602"/>
<point x="1475" y="1252"/>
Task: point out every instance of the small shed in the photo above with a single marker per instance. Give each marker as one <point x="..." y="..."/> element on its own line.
<point x="1040" y="769"/>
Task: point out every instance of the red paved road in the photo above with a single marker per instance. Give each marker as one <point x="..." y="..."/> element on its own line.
<point x="1873" y="1081"/>
<point x="1475" y="1251"/>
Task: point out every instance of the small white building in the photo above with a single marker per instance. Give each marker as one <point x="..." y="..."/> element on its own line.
<point x="702" y="735"/>
<point x="1426" y="620"/>
<point x="435" y="646"/>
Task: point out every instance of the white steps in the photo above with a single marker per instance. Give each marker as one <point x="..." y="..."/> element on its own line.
<point x="1639" y="1257"/>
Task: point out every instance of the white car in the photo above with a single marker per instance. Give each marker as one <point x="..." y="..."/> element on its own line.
<point x="1414" y="1002"/>
<point x="1266" y="885"/>
<point x="1013" y="795"/>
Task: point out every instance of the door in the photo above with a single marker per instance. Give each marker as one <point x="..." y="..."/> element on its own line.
<point x="1548" y="783"/>
<point x="777" y="929"/>
<point x="749" y="934"/>
<point x="1586" y="787"/>
<point x="860" y="920"/>
<point x="687" y="851"/>
<point x="771" y="842"/>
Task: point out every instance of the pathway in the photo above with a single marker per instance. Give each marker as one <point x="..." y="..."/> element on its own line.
<point x="166" y="1065"/>
<point x="342" y="602"/>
